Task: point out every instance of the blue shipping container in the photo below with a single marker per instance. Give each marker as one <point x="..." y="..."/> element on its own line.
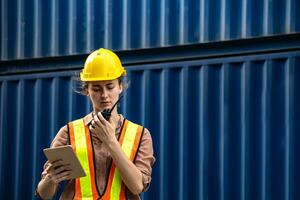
<point x="217" y="82"/>
<point x="32" y="28"/>
<point x="223" y="128"/>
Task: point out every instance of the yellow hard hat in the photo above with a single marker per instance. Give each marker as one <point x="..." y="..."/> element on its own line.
<point x="102" y="65"/>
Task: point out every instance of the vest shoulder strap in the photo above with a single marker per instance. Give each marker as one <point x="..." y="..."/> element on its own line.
<point x="130" y="139"/>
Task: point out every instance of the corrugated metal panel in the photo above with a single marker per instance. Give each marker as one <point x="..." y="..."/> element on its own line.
<point x="222" y="128"/>
<point x="35" y="28"/>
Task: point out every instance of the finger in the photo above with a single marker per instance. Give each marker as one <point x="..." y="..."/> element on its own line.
<point x="58" y="164"/>
<point x="54" y="169"/>
<point x="95" y="124"/>
<point x="47" y="164"/>
<point x="49" y="168"/>
<point x="62" y="169"/>
<point x="62" y="176"/>
<point x="56" y="161"/>
<point x="97" y="121"/>
<point x="92" y="129"/>
<point x="101" y="118"/>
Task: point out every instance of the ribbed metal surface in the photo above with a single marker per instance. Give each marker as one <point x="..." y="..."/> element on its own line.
<point x="45" y="28"/>
<point x="223" y="129"/>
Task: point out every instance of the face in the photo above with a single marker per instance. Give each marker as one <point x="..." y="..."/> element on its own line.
<point x="104" y="94"/>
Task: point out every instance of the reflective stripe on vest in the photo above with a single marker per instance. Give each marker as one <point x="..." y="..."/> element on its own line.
<point x="85" y="187"/>
<point x="127" y="146"/>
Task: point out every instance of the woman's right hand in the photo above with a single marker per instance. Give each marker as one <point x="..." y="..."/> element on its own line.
<point x="53" y="174"/>
<point x="56" y="171"/>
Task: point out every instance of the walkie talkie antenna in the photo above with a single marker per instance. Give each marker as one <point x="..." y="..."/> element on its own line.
<point x="115" y="104"/>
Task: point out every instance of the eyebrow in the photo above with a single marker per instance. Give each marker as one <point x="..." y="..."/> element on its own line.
<point x="105" y="85"/>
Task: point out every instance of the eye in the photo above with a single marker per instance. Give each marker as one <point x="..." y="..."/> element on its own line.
<point x="110" y="86"/>
<point x="95" y="89"/>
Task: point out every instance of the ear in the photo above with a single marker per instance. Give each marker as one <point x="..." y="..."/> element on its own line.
<point x="87" y="92"/>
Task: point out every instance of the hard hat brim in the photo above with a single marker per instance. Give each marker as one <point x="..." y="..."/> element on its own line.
<point x="84" y="78"/>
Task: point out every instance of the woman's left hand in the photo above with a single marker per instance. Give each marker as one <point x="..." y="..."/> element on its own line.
<point x="105" y="130"/>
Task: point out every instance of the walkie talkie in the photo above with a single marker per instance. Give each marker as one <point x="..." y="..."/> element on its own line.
<point x="106" y="113"/>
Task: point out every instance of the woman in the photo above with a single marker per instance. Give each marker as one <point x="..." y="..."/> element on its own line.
<point x="119" y="153"/>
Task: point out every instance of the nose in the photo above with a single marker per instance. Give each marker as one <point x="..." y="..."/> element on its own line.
<point x="103" y="93"/>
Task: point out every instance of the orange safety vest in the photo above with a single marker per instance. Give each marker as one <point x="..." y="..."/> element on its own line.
<point x="80" y="138"/>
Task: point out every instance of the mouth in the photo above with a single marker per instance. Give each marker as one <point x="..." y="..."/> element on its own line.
<point x="105" y="103"/>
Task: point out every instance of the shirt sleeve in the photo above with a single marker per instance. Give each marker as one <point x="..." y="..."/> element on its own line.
<point x="145" y="159"/>
<point x="61" y="138"/>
